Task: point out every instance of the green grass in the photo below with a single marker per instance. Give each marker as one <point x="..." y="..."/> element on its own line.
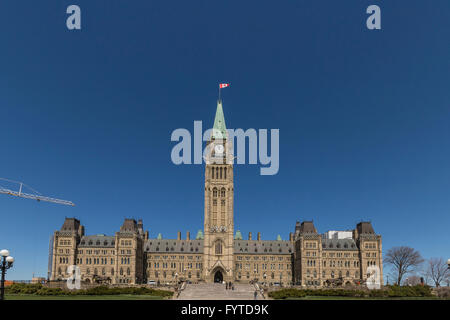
<point x="82" y="297"/>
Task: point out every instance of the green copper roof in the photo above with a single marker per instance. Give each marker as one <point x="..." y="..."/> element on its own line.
<point x="159" y="236"/>
<point x="219" y="128"/>
<point x="278" y="238"/>
<point x="199" y="235"/>
<point x="238" y="235"/>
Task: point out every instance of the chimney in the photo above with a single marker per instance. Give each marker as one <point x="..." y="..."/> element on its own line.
<point x="81" y="230"/>
<point x="179" y="235"/>
<point x="188" y="236"/>
<point x="249" y="236"/>
<point x="259" y="236"/>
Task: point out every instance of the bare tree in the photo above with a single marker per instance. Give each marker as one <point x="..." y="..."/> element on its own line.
<point x="437" y="270"/>
<point x="403" y="260"/>
<point x="413" y="280"/>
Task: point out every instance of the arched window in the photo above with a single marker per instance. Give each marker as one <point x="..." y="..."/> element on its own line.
<point x="212" y="172"/>
<point x="222" y="192"/>
<point x="121" y="271"/>
<point x="218" y="247"/>
<point x="224" y="173"/>
<point x="128" y="271"/>
<point x="215" y="192"/>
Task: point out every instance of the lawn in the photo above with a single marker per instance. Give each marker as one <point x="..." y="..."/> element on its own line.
<point x="82" y="297"/>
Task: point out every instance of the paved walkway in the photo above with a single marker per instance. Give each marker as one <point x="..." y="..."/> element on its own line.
<point x="217" y="291"/>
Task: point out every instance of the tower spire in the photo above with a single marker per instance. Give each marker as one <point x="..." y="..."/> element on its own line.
<point x="219" y="128"/>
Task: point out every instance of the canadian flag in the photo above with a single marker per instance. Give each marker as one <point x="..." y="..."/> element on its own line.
<point x="223" y="85"/>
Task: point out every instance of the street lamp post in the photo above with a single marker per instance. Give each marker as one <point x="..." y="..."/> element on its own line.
<point x="7" y="262"/>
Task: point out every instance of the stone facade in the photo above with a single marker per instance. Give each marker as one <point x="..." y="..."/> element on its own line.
<point x="307" y="258"/>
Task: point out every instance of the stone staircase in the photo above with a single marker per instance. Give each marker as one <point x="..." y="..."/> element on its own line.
<point x="217" y="291"/>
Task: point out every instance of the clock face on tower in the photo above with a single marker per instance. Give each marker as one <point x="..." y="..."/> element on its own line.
<point x="219" y="149"/>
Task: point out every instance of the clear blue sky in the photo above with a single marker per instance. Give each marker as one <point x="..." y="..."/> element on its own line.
<point x="363" y="116"/>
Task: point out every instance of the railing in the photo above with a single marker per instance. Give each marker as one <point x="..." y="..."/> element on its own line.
<point x="178" y="289"/>
<point x="260" y="290"/>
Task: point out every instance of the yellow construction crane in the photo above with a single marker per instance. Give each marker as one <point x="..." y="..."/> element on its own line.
<point x="36" y="195"/>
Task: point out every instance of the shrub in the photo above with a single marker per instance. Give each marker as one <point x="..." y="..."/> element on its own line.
<point x="23" y="288"/>
<point x="44" y="291"/>
<point x="390" y="291"/>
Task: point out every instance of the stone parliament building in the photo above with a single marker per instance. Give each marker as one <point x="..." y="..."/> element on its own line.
<point x="216" y="254"/>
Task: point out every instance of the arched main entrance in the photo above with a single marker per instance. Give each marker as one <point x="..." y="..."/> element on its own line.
<point x="218" y="276"/>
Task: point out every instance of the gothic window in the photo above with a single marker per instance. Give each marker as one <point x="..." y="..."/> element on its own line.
<point x="121" y="271"/>
<point x="218" y="247"/>
<point x="212" y="172"/>
<point x="214" y="192"/>
<point x="128" y="271"/>
<point x="225" y="173"/>
<point x="222" y="192"/>
<point x="220" y="172"/>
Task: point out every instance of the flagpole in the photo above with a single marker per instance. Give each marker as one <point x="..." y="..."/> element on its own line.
<point x="219" y="92"/>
